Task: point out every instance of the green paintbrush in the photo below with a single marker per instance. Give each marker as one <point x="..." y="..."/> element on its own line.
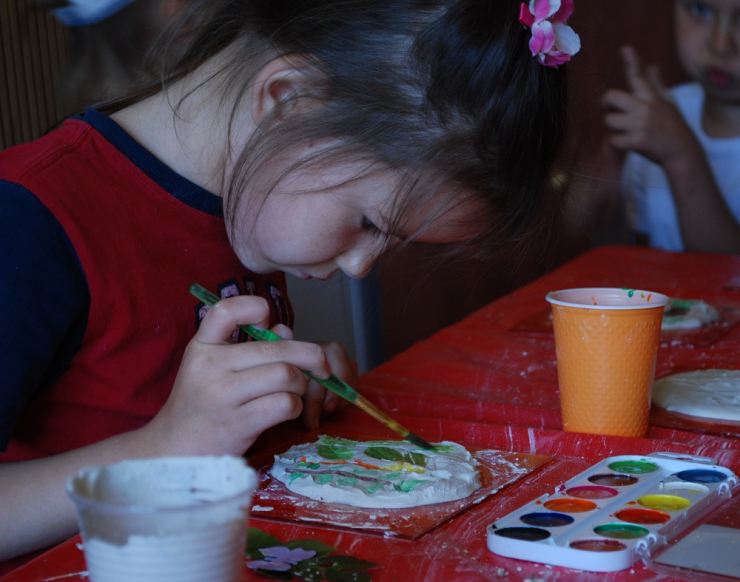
<point x="332" y="383"/>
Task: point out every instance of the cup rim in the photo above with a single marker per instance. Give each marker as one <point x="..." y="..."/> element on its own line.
<point x="652" y="299"/>
<point x="84" y="501"/>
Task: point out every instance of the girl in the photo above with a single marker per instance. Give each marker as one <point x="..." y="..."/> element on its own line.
<point x="682" y="175"/>
<point x="327" y="132"/>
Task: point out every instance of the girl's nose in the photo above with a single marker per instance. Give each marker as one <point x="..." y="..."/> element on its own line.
<point x="359" y="260"/>
<point x="722" y="40"/>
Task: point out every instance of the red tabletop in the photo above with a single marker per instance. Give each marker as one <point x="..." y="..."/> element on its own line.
<point x="489" y="382"/>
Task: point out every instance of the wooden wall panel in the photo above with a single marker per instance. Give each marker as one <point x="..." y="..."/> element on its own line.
<point x="31" y="57"/>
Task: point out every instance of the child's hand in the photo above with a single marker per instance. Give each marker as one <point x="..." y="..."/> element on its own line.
<point x="644" y="119"/>
<point x="226" y="394"/>
<point x="317" y="400"/>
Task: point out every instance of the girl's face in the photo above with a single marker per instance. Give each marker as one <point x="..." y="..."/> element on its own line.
<point x="316" y="222"/>
<point x="708" y="43"/>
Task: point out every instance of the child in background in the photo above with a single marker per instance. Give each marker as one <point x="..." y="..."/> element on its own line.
<point x="297" y="136"/>
<point x="106" y="45"/>
<point x="681" y="176"/>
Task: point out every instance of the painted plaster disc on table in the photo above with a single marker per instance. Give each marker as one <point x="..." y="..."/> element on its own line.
<point x="688" y="314"/>
<point x="381" y="474"/>
<point x="710" y="393"/>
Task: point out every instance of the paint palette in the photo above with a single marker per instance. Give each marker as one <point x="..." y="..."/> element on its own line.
<point x="617" y="511"/>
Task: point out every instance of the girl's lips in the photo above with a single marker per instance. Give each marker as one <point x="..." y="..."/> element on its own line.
<point x="719" y="77"/>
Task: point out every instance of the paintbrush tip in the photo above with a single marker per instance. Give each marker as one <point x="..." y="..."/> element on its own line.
<point x="419" y="442"/>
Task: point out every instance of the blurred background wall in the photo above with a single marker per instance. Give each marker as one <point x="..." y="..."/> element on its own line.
<point x="32" y="49"/>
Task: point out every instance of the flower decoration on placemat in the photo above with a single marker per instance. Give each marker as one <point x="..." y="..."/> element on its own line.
<point x="553" y="42"/>
<point x="308" y="560"/>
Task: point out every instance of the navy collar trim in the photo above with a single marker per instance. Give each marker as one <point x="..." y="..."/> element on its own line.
<point x="180" y="187"/>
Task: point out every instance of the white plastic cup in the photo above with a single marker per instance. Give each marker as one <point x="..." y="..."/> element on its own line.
<point x="173" y="519"/>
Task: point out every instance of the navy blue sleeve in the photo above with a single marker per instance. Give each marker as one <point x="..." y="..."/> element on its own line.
<point x="44" y="302"/>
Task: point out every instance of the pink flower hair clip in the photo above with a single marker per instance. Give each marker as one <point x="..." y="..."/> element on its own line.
<point x="553" y="42"/>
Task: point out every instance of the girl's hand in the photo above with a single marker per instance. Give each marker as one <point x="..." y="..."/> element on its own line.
<point x="645" y="119"/>
<point x="226" y="394"/>
<point x="317" y="400"/>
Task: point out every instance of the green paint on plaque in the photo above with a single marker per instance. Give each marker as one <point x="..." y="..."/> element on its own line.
<point x="418" y="459"/>
<point x="322" y="479"/>
<point x="389" y="454"/>
<point x="347" y="482"/>
<point x="335" y="452"/>
<point x="293" y="476"/>
<point x="384" y="453"/>
<point x="407" y="485"/>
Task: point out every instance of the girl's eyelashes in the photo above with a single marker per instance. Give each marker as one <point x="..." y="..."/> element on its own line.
<point x="369" y="226"/>
<point x="698" y="9"/>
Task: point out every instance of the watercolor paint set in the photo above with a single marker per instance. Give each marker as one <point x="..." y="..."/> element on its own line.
<point x="618" y="511"/>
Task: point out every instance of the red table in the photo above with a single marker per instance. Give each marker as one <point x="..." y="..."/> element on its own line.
<point x="489" y="383"/>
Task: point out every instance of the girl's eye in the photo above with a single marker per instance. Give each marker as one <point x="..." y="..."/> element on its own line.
<point x="369" y="226"/>
<point x="698" y="9"/>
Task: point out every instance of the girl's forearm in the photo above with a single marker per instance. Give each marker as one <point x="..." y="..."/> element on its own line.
<point x="36" y="510"/>
<point x="707" y="223"/>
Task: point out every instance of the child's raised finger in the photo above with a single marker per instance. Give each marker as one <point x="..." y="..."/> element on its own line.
<point x="636" y="81"/>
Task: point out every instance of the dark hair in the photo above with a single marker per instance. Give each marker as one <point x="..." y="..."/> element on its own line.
<point x="444" y="90"/>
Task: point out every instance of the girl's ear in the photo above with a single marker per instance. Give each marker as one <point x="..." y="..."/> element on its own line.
<point x="279" y="88"/>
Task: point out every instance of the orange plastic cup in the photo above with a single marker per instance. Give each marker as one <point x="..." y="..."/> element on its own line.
<point x="606" y="340"/>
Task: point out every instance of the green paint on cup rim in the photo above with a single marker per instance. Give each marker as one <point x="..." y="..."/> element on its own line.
<point x="633" y="467"/>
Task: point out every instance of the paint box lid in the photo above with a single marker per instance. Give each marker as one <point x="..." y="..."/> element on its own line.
<point x="708" y="551"/>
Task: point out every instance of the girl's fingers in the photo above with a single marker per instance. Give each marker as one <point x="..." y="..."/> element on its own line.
<point x="340" y="363"/>
<point x="312" y="401"/>
<point x="272" y="409"/>
<point x="258" y="381"/>
<point x="331" y="402"/>
<point x="222" y="319"/>
<point x="246" y="355"/>
<point x="639" y="86"/>
<point x="283" y="331"/>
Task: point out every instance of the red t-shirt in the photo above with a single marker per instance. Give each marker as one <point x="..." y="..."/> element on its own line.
<point x="142" y="234"/>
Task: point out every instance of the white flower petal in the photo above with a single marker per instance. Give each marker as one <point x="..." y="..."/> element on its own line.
<point x="566" y="39"/>
<point x="553" y="7"/>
